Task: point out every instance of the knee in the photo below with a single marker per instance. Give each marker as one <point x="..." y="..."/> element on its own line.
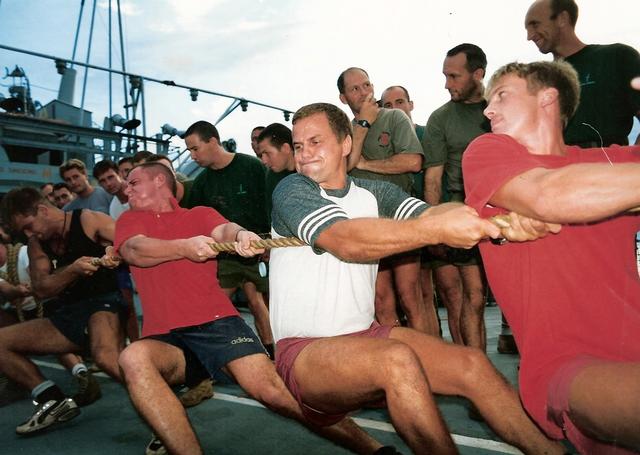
<point x="273" y="394"/>
<point x="399" y="362"/>
<point x="131" y="358"/>
<point x="476" y="368"/>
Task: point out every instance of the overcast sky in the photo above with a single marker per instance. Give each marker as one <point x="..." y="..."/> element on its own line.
<point x="281" y="52"/>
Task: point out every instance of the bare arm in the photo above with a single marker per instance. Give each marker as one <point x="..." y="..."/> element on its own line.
<point x="369" y="239"/>
<point x="359" y="135"/>
<point x="10" y="291"/>
<point x="396" y="164"/>
<point x="433" y="184"/>
<point x="578" y="193"/>
<point x="46" y="283"/>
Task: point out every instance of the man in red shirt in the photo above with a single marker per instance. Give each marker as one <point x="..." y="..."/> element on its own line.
<point x="572" y="299"/>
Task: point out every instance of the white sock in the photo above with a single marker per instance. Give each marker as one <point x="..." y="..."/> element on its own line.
<point x="79" y="368"/>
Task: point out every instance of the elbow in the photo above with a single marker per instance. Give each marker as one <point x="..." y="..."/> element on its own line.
<point x="416" y="164"/>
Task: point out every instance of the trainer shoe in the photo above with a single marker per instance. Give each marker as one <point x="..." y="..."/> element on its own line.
<point x="49" y="413"/>
<point x="88" y="389"/>
<point x="197" y="394"/>
<point x="155" y="447"/>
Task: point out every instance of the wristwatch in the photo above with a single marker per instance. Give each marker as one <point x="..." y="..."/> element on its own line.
<point x="363" y="123"/>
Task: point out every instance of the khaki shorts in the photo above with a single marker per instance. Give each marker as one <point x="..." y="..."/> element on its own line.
<point x="234" y="271"/>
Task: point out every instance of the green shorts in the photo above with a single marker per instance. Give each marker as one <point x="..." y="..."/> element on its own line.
<point x="234" y="271"/>
<point x="459" y="257"/>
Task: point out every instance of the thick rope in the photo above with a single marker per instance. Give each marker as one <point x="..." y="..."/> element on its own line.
<point x="263" y="243"/>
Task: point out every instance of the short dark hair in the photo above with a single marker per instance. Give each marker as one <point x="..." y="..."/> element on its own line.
<point x="338" y="120"/>
<point x="557" y="74"/>
<point x="344" y="73"/>
<point x="61" y="185"/>
<point x="126" y="159"/>
<point x="570" y="6"/>
<point x="406" y="92"/>
<point x="45" y="184"/>
<point x="476" y="58"/>
<point x="141" y="156"/>
<point x="21" y="201"/>
<point x="73" y="163"/>
<point x="260" y="127"/>
<point x="103" y="166"/>
<point x="154" y="168"/>
<point x="204" y="130"/>
<point x="278" y="134"/>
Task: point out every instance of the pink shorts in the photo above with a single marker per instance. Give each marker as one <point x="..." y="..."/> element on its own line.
<point x="287" y="351"/>
<point x="558" y="408"/>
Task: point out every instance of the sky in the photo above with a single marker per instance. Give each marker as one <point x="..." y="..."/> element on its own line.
<point x="280" y="52"/>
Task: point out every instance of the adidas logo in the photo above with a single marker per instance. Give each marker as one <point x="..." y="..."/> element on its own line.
<point x="242" y="340"/>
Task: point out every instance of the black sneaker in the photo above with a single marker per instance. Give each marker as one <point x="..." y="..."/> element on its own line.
<point x="88" y="389"/>
<point x="49" y="413"/>
<point x="155" y="447"/>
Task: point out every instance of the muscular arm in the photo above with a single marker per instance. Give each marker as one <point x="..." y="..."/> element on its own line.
<point x="44" y="283"/>
<point x="433" y="184"/>
<point x="396" y="164"/>
<point x="577" y="193"/>
<point x="98" y="226"/>
<point x="369" y="239"/>
<point x="10" y="291"/>
<point x="359" y="135"/>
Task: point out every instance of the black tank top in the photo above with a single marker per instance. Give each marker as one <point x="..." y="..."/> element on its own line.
<point x="78" y="245"/>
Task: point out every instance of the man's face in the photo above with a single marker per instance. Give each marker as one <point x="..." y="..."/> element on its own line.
<point x="110" y="181"/>
<point x="124" y="169"/>
<point x="273" y="157"/>
<point x="254" y="140"/>
<point x="512" y="110"/>
<point x="541" y="28"/>
<point x="33" y="224"/>
<point x="202" y="152"/>
<point x="47" y="191"/>
<point x="141" y="189"/>
<point x="461" y="84"/>
<point x="62" y="197"/>
<point x="357" y="88"/>
<point x="395" y="98"/>
<point x="318" y="153"/>
<point x="77" y="180"/>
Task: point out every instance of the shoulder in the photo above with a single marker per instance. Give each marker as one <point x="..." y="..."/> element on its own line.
<point x="441" y="112"/>
<point x="293" y="183"/>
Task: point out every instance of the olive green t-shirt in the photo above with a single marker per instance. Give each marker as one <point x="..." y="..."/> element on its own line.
<point x="392" y="133"/>
<point x="450" y="129"/>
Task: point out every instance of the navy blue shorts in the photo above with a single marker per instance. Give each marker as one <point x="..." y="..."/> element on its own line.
<point x="72" y="319"/>
<point x="210" y="346"/>
<point x="123" y="275"/>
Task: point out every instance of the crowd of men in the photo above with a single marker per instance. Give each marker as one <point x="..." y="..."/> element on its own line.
<point x="348" y="320"/>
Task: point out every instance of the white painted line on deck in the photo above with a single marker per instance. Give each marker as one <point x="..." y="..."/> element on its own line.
<point x="467" y="441"/>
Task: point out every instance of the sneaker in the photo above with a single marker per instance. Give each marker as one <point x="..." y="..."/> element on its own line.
<point x="197" y="394"/>
<point x="49" y="413"/>
<point x="155" y="447"/>
<point x="88" y="389"/>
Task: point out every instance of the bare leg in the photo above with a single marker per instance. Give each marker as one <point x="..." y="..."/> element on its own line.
<point x="406" y="275"/>
<point x="604" y="403"/>
<point x="69" y="360"/>
<point x="359" y="370"/>
<point x="385" y="301"/>
<point x="132" y="329"/>
<point x="468" y="373"/>
<point x="148" y="367"/>
<point x="449" y="287"/>
<point x="37" y="336"/>
<point x="428" y="297"/>
<point x="104" y="333"/>
<point x="260" y="313"/>
<point x="472" y="314"/>
<point x="258" y="377"/>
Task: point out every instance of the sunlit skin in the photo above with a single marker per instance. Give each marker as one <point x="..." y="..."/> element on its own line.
<point x="318" y="153"/>
<point x="62" y="197"/>
<point x="142" y="192"/>
<point x="276" y="159"/>
<point x="34" y="225"/>
<point x="202" y="152"/>
<point x="463" y="86"/>
<point x="395" y="98"/>
<point x="78" y="182"/>
<point x="110" y="181"/>
<point x="357" y="89"/>
<point x="541" y="28"/>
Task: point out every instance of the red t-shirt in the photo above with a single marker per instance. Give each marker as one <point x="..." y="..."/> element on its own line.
<point x="573" y="293"/>
<point x="178" y="293"/>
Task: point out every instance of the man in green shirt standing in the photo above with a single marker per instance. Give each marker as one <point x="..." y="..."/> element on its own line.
<point x="385" y="147"/>
<point x="234" y="185"/>
<point x="450" y="128"/>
